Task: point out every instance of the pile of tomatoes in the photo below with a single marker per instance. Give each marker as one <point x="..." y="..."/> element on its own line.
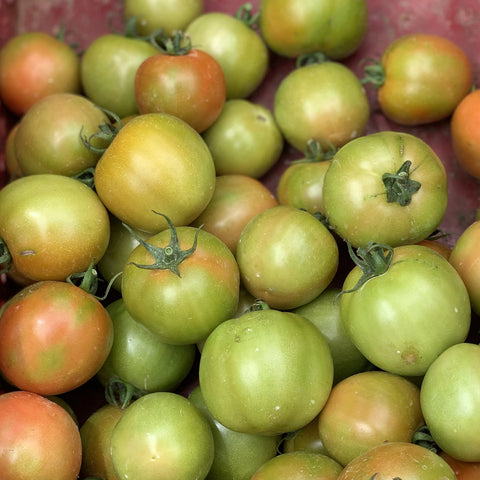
<point x="231" y="245"/>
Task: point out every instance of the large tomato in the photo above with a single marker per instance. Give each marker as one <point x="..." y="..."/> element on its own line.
<point x="34" y="65"/>
<point x="450" y="399"/>
<point x="181" y="283"/>
<point x="367" y="409"/>
<point x="267" y="372"/>
<point x="311" y="93"/>
<point x="421" y="78"/>
<point x="156" y="163"/>
<point x="294" y="27"/>
<point x="38" y="439"/>
<point x="386" y="187"/>
<point x="286" y="257"/>
<point x="162" y="436"/>
<point x="391" y="312"/>
<point x="52" y="225"/>
<point x="54" y="337"/>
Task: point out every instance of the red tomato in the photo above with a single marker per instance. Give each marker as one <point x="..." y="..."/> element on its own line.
<point x="462" y="470"/>
<point x="34" y="65"/>
<point x="38" y="439"/>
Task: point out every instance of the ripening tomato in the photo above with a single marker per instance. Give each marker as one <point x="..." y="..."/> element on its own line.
<point x="11" y="161"/>
<point x="38" y="439"/>
<point x="462" y="470"/>
<point x="34" y="65"/>
<point x="306" y="438"/>
<point x="54" y="337"/>
<point x="421" y="78"/>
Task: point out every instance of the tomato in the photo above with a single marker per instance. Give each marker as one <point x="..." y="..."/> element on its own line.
<point x="367" y="409"/>
<point x="309" y="94"/>
<point x="306" y="438"/>
<point x="140" y="358"/>
<point x="164" y="165"/>
<point x="183" y="81"/>
<point x="421" y="78"/>
<point x="294" y="27"/>
<point x="237" y="47"/>
<point x="38" y="439"/>
<point x="391" y="316"/>
<point x="397" y="460"/>
<point x="465" y="133"/>
<point x="108" y="67"/>
<point x="450" y="398"/>
<point x="162" y="435"/>
<point x="181" y="283"/>
<point x="11" y="161"/>
<point x="441" y="248"/>
<point x="34" y="65"/>
<point x="386" y="187"/>
<point x="52" y="225"/>
<point x="48" y="136"/>
<point x="324" y="312"/>
<point x="299" y="465"/>
<point x="236" y="200"/>
<point x="244" y="140"/>
<point x="464" y="257"/>
<point x="286" y="257"/>
<point x="462" y="470"/>
<point x="267" y="372"/>
<point x="237" y="455"/>
<point x="54" y="337"/>
<point x="153" y="15"/>
<point x="95" y="434"/>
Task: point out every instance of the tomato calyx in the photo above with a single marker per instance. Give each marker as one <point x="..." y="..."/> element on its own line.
<point x="258" y="305"/>
<point x="87" y="177"/>
<point x="169" y="257"/>
<point x="244" y="14"/>
<point x="374" y="74"/>
<point x="400" y="187"/>
<point x="373" y="260"/>
<point x="178" y="44"/>
<point x="120" y="393"/>
<point x="312" y="58"/>
<point x="5" y="257"/>
<point x="314" y="152"/>
<point x="423" y="437"/>
<point x="107" y="132"/>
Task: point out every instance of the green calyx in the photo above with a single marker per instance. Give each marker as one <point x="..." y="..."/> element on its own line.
<point x="120" y="393"/>
<point x="5" y="257"/>
<point x="374" y="74"/>
<point x="169" y="257"/>
<point x="244" y="14"/>
<point x="399" y="186"/>
<point x="99" y="141"/>
<point x="179" y="44"/>
<point x="313" y="58"/>
<point x="314" y="152"/>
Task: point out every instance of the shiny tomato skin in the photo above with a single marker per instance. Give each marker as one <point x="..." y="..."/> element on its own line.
<point x="450" y="398"/>
<point x="366" y="410"/>
<point x="183" y="309"/>
<point x="108" y="67"/>
<point x="267" y="371"/>
<point x="161" y="162"/>
<point x="355" y="196"/>
<point x="53" y="226"/>
<point x="236" y="200"/>
<point x="294" y="27"/>
<point x="191" y="87"/>
<point x="237" y="47"/>
<point x="394" y="460"/>
<point x="391" y="316"/>
<point x="38" y="439"/>
<point x="426" y="77"/>
<point x="286" y="257"/>
<point x="34" y="65"/>
<point x="54" y="337"/>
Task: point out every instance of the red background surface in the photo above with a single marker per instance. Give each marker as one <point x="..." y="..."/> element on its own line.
<point x="457" y="20"/>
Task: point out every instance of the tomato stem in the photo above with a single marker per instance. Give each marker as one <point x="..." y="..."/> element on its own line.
<point x="399" y="186"/>
<point x="120" y="393"/>
<point x="423" y="437"/>
<point x="244" y="14"/>
<point x="107" y="132"/>
<point x="178" y="44"/>
<point x="374" y="74"/>
<point x="311" y="59"/>
<point x="314" y="152"/>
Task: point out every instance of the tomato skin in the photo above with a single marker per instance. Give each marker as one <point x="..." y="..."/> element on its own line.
<point x="267" y="372"/>
<point x="293" y="27"/>
<point x="367" y="409"/>
<point x="426" y="77"/>
<point x="311" y="93"/>
<point x="390" y="318"/>
<point x="462" y="470"/>
<point x="164" y="164"/>
<point x="450" y="396"/>
<point x="236" y="200"/>
<point x="38" y="439"/>
<point x="307" y="263"/>
<point x="53" y="226"/>
<point x="34" y="65"/>
<point x="183" y="309"/>
<point x="108" y="67"/>
<point x="190" y="86"/>
<point x="54" y="337"/>
<point x="404" y="460"/>
<point x="354" y="194"/>
<point x="11" y="161"/>
<point x="239" y="50"/>
<point x="162" y="435"/>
